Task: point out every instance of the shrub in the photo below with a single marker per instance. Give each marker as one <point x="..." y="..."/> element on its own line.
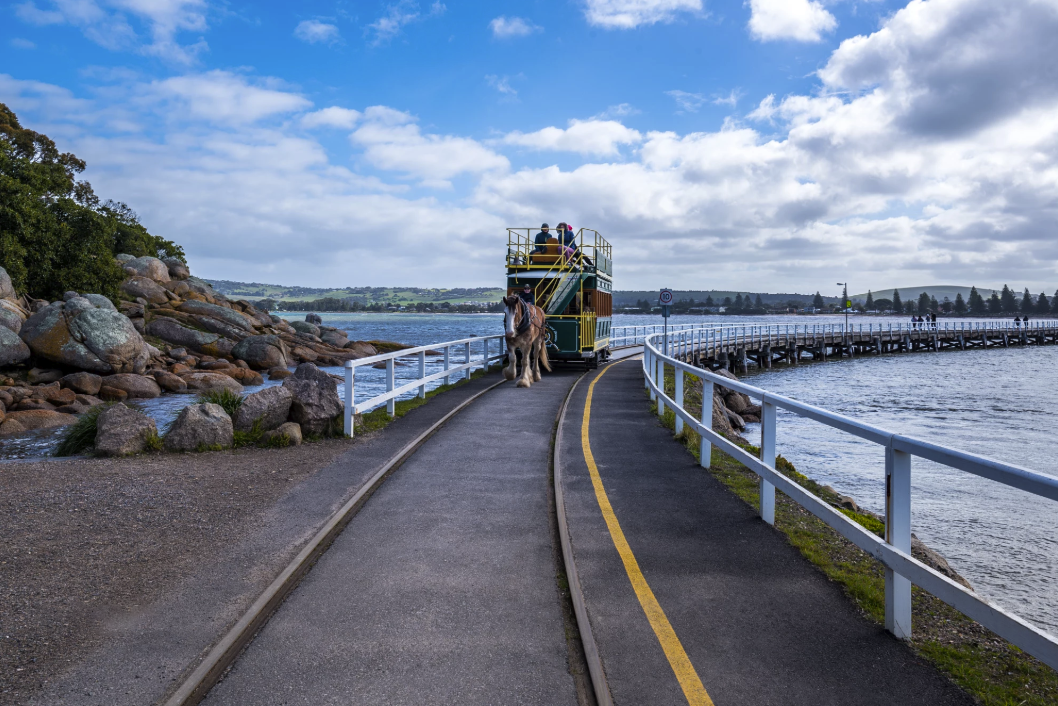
<point x="80" y="437"/>
<point x="228" y="399"/>
<point x="248" y="438"/>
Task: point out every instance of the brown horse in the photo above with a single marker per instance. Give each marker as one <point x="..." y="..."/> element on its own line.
<point x="525" y="332"/>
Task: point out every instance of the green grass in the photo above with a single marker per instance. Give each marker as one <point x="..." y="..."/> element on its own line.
<point x="248" y="438"/>
<point x="81" y="436"/>
<point x="991" y="669"/>
<point x="229" y="400"/>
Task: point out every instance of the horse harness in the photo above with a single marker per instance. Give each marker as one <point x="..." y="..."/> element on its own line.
<point x="527" y="317"/>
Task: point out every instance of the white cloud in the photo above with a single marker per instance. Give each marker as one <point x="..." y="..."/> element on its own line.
<point x="19" y="43"/>
<point x="799" y="20"/>
<point x="620" y="110"/>
<point x="688" y="102"/>
<point x="731" y="99"/>
<point x="223" y="97"/>
<point x="331" y="117"/>
<point x="588" y="137"/>
<point x="504" y="27"/>
<point x="316" y="32"/>
<point x="106" y="22"/>
<point x="393" y="142"/>
<point x="501" y="84"/>
<point x="397" y="16"/>
<point x="628" y="14"/>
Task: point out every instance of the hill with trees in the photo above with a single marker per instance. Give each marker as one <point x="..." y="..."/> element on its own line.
<point x="55" y="233"/>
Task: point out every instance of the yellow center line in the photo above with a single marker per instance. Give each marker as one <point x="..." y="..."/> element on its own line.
<point x="678" y="660"/>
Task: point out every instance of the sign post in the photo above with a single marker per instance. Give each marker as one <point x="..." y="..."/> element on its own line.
<point x="665" y="299"/>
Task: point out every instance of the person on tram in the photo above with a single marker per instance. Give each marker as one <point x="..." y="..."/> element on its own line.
<point x="541" y="240"/>
<point x="527" y="294"/>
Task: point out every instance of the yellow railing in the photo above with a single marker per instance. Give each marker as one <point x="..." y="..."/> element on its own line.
<point x="587" y="330"/>
<point x="587" y="245"/>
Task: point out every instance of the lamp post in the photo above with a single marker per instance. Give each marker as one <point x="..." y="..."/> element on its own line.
<point x="845" y="302"/>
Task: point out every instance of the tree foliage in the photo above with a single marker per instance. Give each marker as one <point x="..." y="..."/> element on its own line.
<point x="55" y="235"/>
<point x="898" y="305"/>
<point x="960" y="304"/>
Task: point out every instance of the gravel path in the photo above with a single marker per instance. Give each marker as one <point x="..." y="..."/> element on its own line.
<point x="83" y="539"/>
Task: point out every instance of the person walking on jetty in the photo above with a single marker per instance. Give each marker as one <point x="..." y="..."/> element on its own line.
<point x="1017" y="322"/>
<point x="933" y="319"/>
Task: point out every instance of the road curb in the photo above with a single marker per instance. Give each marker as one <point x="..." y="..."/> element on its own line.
<point x="224" y="653"/>
<point x="580" y="608"/>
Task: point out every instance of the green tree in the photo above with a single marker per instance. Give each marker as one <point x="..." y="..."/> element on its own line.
<point x="960" y="305"/>
<point x="884" y="304"/>
<point x="870" y="301"/>
<point x="817" y="301"/>
<point x="933" y="305"/>
<point x="759" y="303"/>
<point x="898" y="306"/>
<point x="727" y="302"/>
<point x="1027" y="305"/>
<point x="923" y="303"/>
<point x="978" y="306"/>
<point x="55" y="236"/>
<point x="995" y="304"/>
<point x="738" y="301"/>
<point x="909" y="307"/>
<point x="709" y="301"/>
<point x="1042" y="305"/>
<point x="1008" y="302"/>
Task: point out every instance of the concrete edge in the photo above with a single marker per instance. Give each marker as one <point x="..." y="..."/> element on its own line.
<point x="580" y="607"/>
<point x="225" y="652"/>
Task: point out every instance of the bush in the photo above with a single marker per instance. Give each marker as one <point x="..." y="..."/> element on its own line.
<point x="80" y="437"/>
<point x="229" y="400"/>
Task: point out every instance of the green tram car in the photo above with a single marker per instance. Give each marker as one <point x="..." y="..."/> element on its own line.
<point x="575" y="290"/>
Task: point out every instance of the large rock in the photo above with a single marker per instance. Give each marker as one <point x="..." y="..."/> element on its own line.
<point x="262" y="352"/>
<point x="169" y="382"/>
<point x="139" y="386"/>
<point x="316" y="402"/>
<point x="121" y="431"/>
<point x="7" y="289"/>
<point x="13" y="350"/>
<point x="269" y="408"/>
<point x="36" y="419"/>
<point x="210" y="381"/>
<point x="338" y="339"/>
<point x="314" y="318"/>
<point x="10" y="318"/>
<point x="149" y="267"/>
<point x="177" y="268"/>
<point x="198" y="426"/>
<point x="228" y="316"/>
<point x="305" y="327"/>
<point x="172" y="332"/>
<point x="81" y="335"/>
<point x="146" y="288"/>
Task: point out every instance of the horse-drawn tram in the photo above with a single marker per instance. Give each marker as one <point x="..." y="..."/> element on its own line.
<point x="570" y="278"/>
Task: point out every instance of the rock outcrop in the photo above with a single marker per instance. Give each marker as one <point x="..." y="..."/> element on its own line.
<point x="149" y="267"/>
<point x="177" y="269"/>
<point x="200" y="426"/>
<point x="13" y="350"/>
<point x="262" y="352"/>
<point x="81" y="335"/>
<point x="315" y="402"/>
<point x="210" y="381"/>
<point x="82" y="383"/>
<point x="144" y="288"/>
<point x="268" y="408"/>
<point x="121" y="431"/>
<point x="170" y="331"/>
<point x="135" y="386"/>
<point x="7" y="289"/>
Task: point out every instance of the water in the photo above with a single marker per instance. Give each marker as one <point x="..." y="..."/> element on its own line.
<point x="994" y="402"/>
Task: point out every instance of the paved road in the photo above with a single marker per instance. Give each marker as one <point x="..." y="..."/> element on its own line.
<point x="442" y="589"/>
<point x="757" y="624"/>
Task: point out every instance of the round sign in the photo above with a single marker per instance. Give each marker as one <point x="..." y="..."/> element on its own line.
<point x="666" y="296"/>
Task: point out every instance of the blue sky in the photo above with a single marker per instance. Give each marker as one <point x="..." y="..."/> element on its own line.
<point x="766" y="145"/>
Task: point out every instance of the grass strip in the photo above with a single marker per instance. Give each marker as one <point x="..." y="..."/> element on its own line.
<point x="378" y="419"/>
<point x="991" y="669"/>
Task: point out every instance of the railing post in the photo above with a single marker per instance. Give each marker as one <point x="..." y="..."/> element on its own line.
<point x="898" y="534"/>
<point x="679" y="398"/>
<point x="660" y="382"/>
<point x="422" y="373"/>
<point x="767" y="457"/>
<point x="391" y="403"/>
<point x="705" y="453"/>
<point x="448" y="351"/>
<point x="349" y="371"/>
<point x="466" y="358"/>
<point x="648" y="368"/>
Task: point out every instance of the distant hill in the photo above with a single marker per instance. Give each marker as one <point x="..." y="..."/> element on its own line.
<point x="934" y="290"/>
<point x="366" y="295"/>
<point x="630" y="297"/>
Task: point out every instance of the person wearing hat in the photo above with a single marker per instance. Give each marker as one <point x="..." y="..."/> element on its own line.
<point x="541" y="240"/>
<point x="528" y="295"/>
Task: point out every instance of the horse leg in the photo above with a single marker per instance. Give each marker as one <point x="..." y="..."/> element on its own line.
<point x="512" y="362"/>
<point x="526" y="378"/>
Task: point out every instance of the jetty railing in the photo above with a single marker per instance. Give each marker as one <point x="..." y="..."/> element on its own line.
<point x="741" y="334"/>
<point x="894" y="550"/>
<point x="484" y="360"/>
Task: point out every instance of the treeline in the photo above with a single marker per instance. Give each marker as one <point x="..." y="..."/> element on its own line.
<point x="55" y="234"/>
<point x="739" y="305"/>
<point x="1004" y="303"/>
<point x="332" y="304"/>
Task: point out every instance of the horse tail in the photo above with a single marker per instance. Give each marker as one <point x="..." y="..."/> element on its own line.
<point x="543" y="356"/>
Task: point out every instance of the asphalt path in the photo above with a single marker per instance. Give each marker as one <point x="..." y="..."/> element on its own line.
<point x="442" y="589"/>
<point x="755" y="622"/>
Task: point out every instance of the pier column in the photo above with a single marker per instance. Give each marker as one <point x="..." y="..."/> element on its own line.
<point x="742" y="361"/>
<point x="898" y="534"/>
<point x="765" y="355"/>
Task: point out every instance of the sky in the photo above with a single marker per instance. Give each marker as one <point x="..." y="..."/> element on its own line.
<point x="766" y="145"/>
